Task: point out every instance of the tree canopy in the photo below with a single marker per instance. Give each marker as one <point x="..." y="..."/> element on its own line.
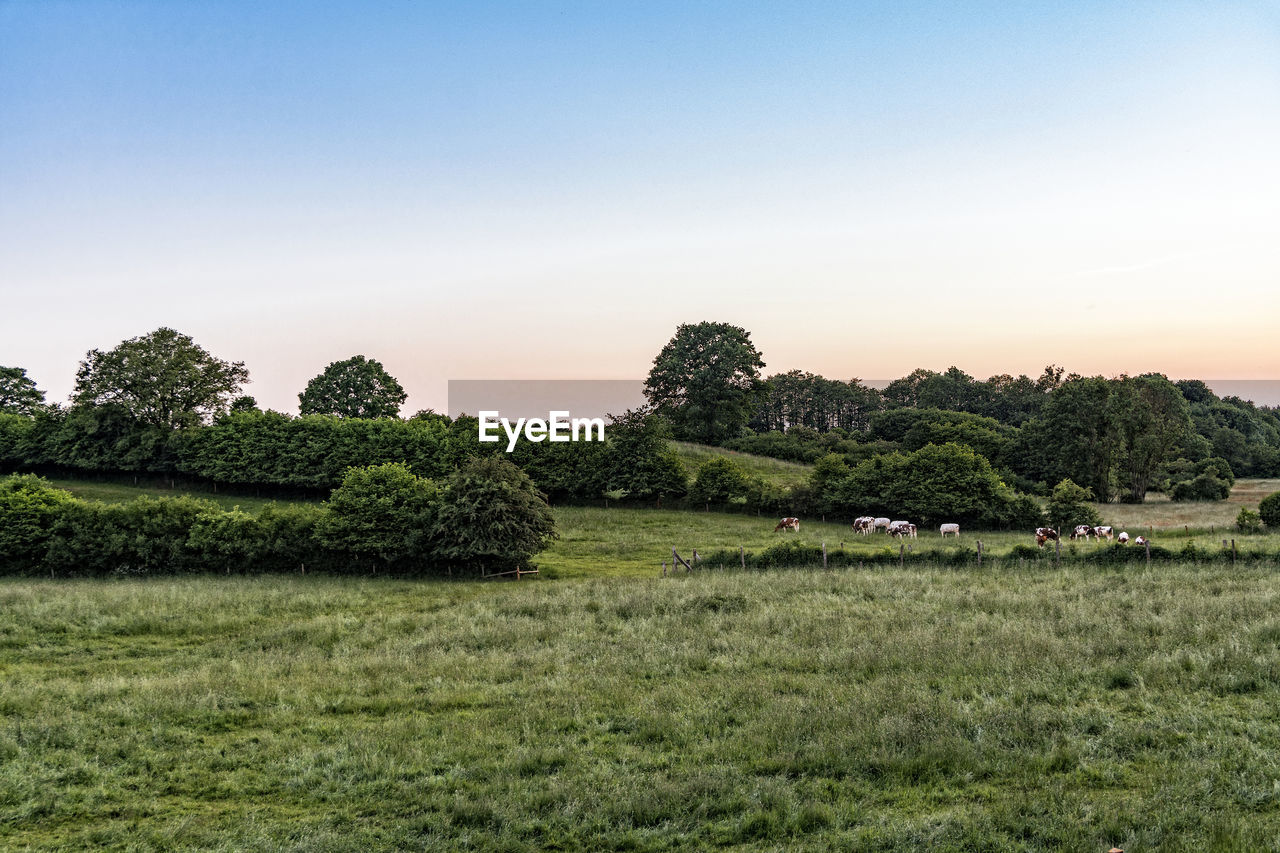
<point x="163" y="379"/>
<point x="354" y="388"/>
<point x="706" y="380"/>
<point x="18" y="393"/>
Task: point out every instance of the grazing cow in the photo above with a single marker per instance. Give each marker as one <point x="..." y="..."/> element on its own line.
<point x="864" y="524"/>
<point x="1103" y="533"/>
<point x="789" y="523"/>
<point x="1044" y="534"/>
<point x="1123" y="538"/>
<point x="901" y="528"/>
<point x="1141" y="541"/>
<point x="1082" y="531"/>
<point x="953" y="529"/>
<point x="911" y="531"/>
<point x="882" y="522"/>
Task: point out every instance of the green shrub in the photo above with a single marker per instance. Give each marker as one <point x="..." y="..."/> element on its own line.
<point x="1269" y="511"/>
<point x="1070" y="505"/>
<point x="29" y="510"/>
<point x="1248" y="521"/>
<point x="491" y="516"/>
<point x="720" y="480"/>
<point x="383" y="512"/>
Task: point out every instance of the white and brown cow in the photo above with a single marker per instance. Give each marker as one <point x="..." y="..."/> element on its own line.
<point x="1123" y="538"/>
<point x="1045" y="534"/>
<point x="1082" y="531"/>
<point x="788" y="523"/>
<point x="953" y="529"/>
<point x="1142" y="541"/>
<point x="902" y="528"/>
<point x="882" y="522"/>
<point x="864" y="524"/>
<point x="1103" y="533"/>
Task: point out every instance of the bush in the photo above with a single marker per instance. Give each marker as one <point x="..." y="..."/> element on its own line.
<point x="29" y="509"/>
<point x="1248" y="521"/>
<point x="492" y="517"/>
<point x="1269" y="511"/>
<point x="720" y="480"/>
<point x="1070" y="505"/>
<point x="384" y="512"/>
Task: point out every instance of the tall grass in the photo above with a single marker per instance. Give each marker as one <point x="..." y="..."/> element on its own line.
<point x="884" y="710"/>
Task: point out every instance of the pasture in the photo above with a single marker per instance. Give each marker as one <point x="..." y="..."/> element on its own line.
<point x="891" y="710"/>
<point x="619" y="541"/>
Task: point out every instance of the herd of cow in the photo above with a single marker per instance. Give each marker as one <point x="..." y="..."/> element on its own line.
<point x="866" y="525"/>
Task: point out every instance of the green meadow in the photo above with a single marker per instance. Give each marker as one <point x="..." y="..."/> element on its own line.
<point x="913" y="709"/>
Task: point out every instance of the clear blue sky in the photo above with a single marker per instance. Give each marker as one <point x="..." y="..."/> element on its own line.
<point x="545" y="190"/>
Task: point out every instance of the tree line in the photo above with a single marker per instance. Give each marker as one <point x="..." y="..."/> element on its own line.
<point x="1120" y="437"/>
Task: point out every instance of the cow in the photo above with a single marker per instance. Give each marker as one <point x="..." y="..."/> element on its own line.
<point x="953" y="529"/>
<point x="902" y="528"/>
<point x="1044" y="534"/>
<point x="1082" y="531"/>
<point x="788" y="523"/>
<point x="1123" y="538"/>
<point x="911" y="531"/>
<point x="1142" y="542"/>
<point x="1103" y="533"/>
<point x="882" y="522"/>
<point x="864" y="524"/>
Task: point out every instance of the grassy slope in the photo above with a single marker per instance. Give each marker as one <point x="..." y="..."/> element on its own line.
<point x="889" y="710"/>
<point x="777" y="471"/>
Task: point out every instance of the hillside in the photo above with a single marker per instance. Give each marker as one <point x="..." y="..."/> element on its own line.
<point x="776" y="471"/>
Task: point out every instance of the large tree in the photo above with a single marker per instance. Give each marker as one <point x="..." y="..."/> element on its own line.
<point x="355" y="388"/>
<point x="18" y="393"/>
<point x="163" y="379"/>
<point x="705" y="381"/>
<point x="1152" y="422"/>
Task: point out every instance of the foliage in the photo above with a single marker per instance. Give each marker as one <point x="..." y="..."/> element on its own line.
<point x="18" y="393"/>
<point x="492" y="517"/>
<point x="937" y="483"/>
<point x="1269" y="511"/>
<point x="354" y="388"/>
<point x="381" y="511"/>
<point x="1248" y="521"/>
<point x="1152" y="422"/>
<point x="1209" y="479"/>
<point x="29" y="508"/>
<point x="719" y="480"/>
<point x="1070" y="505"/>
<point x="163" y="379"/>
<point x="706" y="381"/>
<point x="805" y="399"/>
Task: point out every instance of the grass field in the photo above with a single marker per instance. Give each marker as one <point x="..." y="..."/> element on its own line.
<point x="618" y="541"/>
<point x="890" y="710"/>
<point x="777" y="471"/>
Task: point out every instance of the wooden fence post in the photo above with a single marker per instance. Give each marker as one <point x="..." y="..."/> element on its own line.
<point x="824" y="555"/>
<point x="979" y="552"/>
<point x="664" y="568"/>
<point x="902" y="550"/>
<point x="1233" y="552"/>
<point x="1147" y="545"/>
<point x="1057" y="551"/>
<point x="742" y="556"/>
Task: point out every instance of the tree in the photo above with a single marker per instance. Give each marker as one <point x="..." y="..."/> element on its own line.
<point x="18" y="393"/>
<point x="719" y="480"/>
<point x="1069" y="505"/>
<point x="706" y="381"/>
<point x="1152" y="421"/>
<point x="354" y="388"/>
<point x="492" y="516"/>
<point x="383" y="511"/>
<point x="163" y="379"/>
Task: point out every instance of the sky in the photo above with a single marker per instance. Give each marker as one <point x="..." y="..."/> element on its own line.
<point x="546" y="190"/>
